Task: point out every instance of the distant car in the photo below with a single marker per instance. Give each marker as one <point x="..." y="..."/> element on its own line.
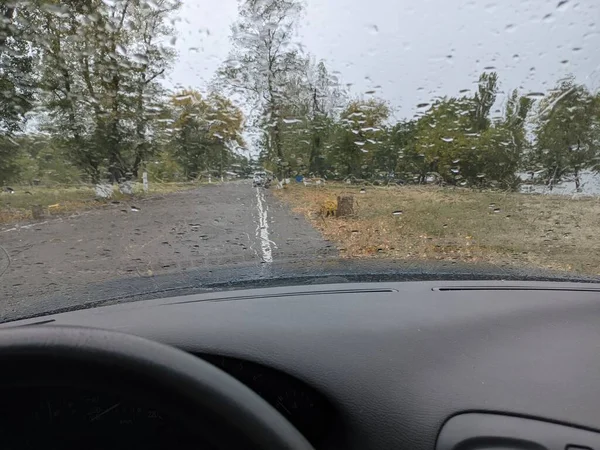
<point x="259" y="179"/>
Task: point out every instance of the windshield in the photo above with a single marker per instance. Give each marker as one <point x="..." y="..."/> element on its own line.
<point x="150" y="147"/>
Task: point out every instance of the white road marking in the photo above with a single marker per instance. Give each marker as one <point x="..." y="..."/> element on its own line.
<point x="262" y="230"/>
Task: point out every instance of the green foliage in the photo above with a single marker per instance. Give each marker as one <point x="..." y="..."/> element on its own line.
<point x="205" y="132"/>
<point x="457" y="142"/>
<point x="101" y="66"/>
<point x="165" y="167"/>
<point x="89" y="77"/>
<point x="359" y="138"/>
<point x="566" y="132"/>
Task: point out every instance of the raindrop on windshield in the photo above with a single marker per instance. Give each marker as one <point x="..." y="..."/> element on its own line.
<point x="490" y="7"/>
<point x="562" y="5"/>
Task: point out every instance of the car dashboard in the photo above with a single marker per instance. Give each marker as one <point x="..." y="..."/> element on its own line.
<point x="360" y="366"/>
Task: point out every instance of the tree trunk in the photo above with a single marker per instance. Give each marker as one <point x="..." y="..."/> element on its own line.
<point x="314" y="164"/>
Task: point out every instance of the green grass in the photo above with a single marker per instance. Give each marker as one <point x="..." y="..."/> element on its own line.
<point x="554" y="232"/>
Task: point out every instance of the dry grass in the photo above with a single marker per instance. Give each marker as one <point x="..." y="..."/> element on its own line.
<point x="553" y="232"/>
<point x="57" y="201"/>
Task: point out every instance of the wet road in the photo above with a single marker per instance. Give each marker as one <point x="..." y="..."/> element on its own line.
<point x="210" y="227"/>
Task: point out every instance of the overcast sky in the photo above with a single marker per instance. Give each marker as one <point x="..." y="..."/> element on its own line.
<point x="410" y="51"/>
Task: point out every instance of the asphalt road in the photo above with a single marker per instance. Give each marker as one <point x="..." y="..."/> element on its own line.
<point x="203" y="229"/>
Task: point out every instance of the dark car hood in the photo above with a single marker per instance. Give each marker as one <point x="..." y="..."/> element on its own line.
<point x="290" y="273"/>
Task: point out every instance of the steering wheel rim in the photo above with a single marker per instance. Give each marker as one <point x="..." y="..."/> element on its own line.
<point x="165" y="368"/>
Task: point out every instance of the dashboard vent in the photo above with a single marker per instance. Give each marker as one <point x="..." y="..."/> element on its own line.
<point x="515" y="288"/>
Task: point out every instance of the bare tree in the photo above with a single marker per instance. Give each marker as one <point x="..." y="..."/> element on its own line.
<point x="263" y="56"/>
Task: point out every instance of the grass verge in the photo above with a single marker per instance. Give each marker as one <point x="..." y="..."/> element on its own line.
<point x="60" y="200"/>
<point x="445" y="224"/>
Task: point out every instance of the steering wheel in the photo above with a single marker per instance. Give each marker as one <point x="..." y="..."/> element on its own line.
<point x="197" y="393"/>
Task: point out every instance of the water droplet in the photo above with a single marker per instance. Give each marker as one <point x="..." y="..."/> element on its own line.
<point x="422" y="105"/>
<point x="534" y="94"/>
<point x="291" y="121"/>
<point x="359" y="143"/>
<point x="516" y="57"/>
<point x="565" y="61"/>
<point x="510" y="28"/>
<point x="481" y="175"/>
<point x="370" y="92"/>
<point x="447" y="139"/>
<point x="397" y="213"/>
<point x="490" y="7"/>
<point x="59" y="11"/>
<point x="363" y="191"/>
<point x="140" y="58"/>
<point x="562" y="5"/>
<point x="134" y="208"/>
<point x="496" y="210"/>
<point x="489" y="68"/>
<point x="576" y="49"/>
<point x="373" y="29"/>
<point x="548" y="18"/>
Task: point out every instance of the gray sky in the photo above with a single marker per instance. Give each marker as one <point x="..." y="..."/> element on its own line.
<point x="411" y="51"/>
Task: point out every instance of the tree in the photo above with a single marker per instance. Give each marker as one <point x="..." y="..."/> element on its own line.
<point x="325" y="98"/>
<point x="565" y="134"/>
<point x="102" y="63"/>
<point x="359" y="134"/>
<point x="17" y="81"/>
<point x="311" y="99"/>
<point x="483" y="101"/>
<point x="262" y="62"/>
<point x="456" y="141"/>
<point x="206" y="132"/>
<point x="402" y="138"/>
<point x="444" y="141"/>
